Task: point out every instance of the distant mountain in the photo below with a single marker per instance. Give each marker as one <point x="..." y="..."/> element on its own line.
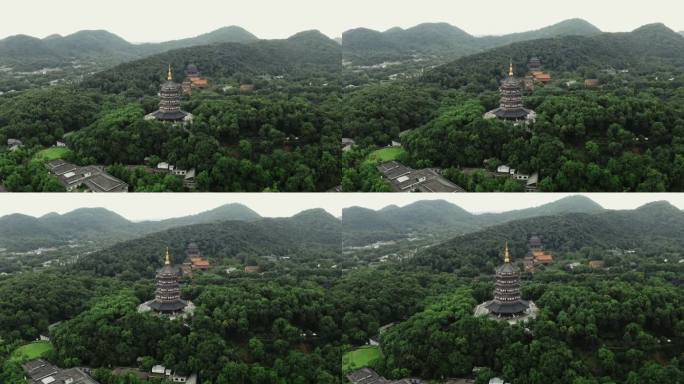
<point x="23" y="233"/>
<point x="681" y="33"/>
<point x="29" y="53"/>
<point x="651" y="46"/>
<point x="572" y="27"/>
<point x="651" y="229"/>
<point x="366" y="46"/>
<point x="93" y="45"/>
<point x="16" y="51"/>
<point x="437" y="217"/>
<point x="226" y="212"/>
<point x="571" y="204"/>
<point x="231" y="34"/>
<point x="303" y="54"/>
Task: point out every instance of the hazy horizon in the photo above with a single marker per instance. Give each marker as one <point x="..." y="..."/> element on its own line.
<point x="141" y="22"/>
<point x="153" y="207"/>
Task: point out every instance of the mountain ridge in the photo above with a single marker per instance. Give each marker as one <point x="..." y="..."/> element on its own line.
<point x="428" y="217"/>
<point x="28" y="232"/>
<point x="442" y="39"/>
<point x="28" y="52"/>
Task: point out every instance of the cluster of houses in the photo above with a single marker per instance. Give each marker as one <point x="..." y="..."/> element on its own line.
<point x="369" y="376"/>
<point x="531" y="182"/>
<point x="42" y="372"/>
<point x="406" y="179"/>
<point x="189" y="177"/>
<point x="161" y="372"/>
<point x="91" y="177"/>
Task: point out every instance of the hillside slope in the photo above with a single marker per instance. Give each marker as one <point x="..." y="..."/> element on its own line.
<point x="652" y="46"/>
<point x="309" y="232"/>
<point x="305" y="53"/>
<point x="651" y="229"/>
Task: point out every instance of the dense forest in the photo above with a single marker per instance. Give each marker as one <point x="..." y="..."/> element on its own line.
<point x="624" y="135"/>
<point x="282" y="132"/>
<point x="311" y="304"/>
<point x="281" y="136"/>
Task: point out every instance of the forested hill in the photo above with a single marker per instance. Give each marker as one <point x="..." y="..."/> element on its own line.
<point x="28" y="53"/>
<point x="649" y="48"/>
<point x="431" y="217"/>
<point x="654" y="230"/>
<point x="367" y="46"/>
<point x="24" y="233"/>
<point x="231" y="34"/>
<point x="309" y="232"/>
<point x="306" y="53"/>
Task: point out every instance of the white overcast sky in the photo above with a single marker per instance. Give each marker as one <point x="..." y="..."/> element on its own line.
<point x="158" y="20"/>
<point x="138" y="207"/>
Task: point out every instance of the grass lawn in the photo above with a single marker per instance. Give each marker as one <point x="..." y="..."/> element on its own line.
<point x="31" y="351"/>
<point x="385" y="155"/>
<point x="360" y="358"/>
<point x="53" y="153"/>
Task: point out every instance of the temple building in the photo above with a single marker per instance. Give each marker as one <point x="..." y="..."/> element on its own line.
<point x="194" y="260"/>
<point x="193" y="80"/>
<point x="508" y="303"/>
<point x="534" y="65"/>
<point x="540" y="255"/>
<point x="167" y="300"/>
<point x="511" y="104"/>
<point x="170" y="103"/>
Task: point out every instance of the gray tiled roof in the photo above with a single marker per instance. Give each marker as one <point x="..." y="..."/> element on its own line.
<point x="40" y="372"/>
<point x="104" y="182"/>
<point x="406" y="179"/>
<point x="93" y="177"/>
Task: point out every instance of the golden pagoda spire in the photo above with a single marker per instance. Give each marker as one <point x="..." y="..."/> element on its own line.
<point x="510" y="69"/>
<point x="507" y="255"/>
<point x="168" y="257"/>
<point x="170" y="75"/>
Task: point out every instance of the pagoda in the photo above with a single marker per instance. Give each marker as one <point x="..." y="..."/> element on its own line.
<point x="534" y="65"/>
<point x="170" y="103"/>
<point x="167" y="299"/>
<point x="511" y="103"/>
<point x="508" y="303"/>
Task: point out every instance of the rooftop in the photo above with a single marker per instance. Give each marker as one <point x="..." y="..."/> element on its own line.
<point x="369" y="376"/>
<point x="406" y="179"/>
<point x="92" y="177"/>
<point x="42" y="372"/>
